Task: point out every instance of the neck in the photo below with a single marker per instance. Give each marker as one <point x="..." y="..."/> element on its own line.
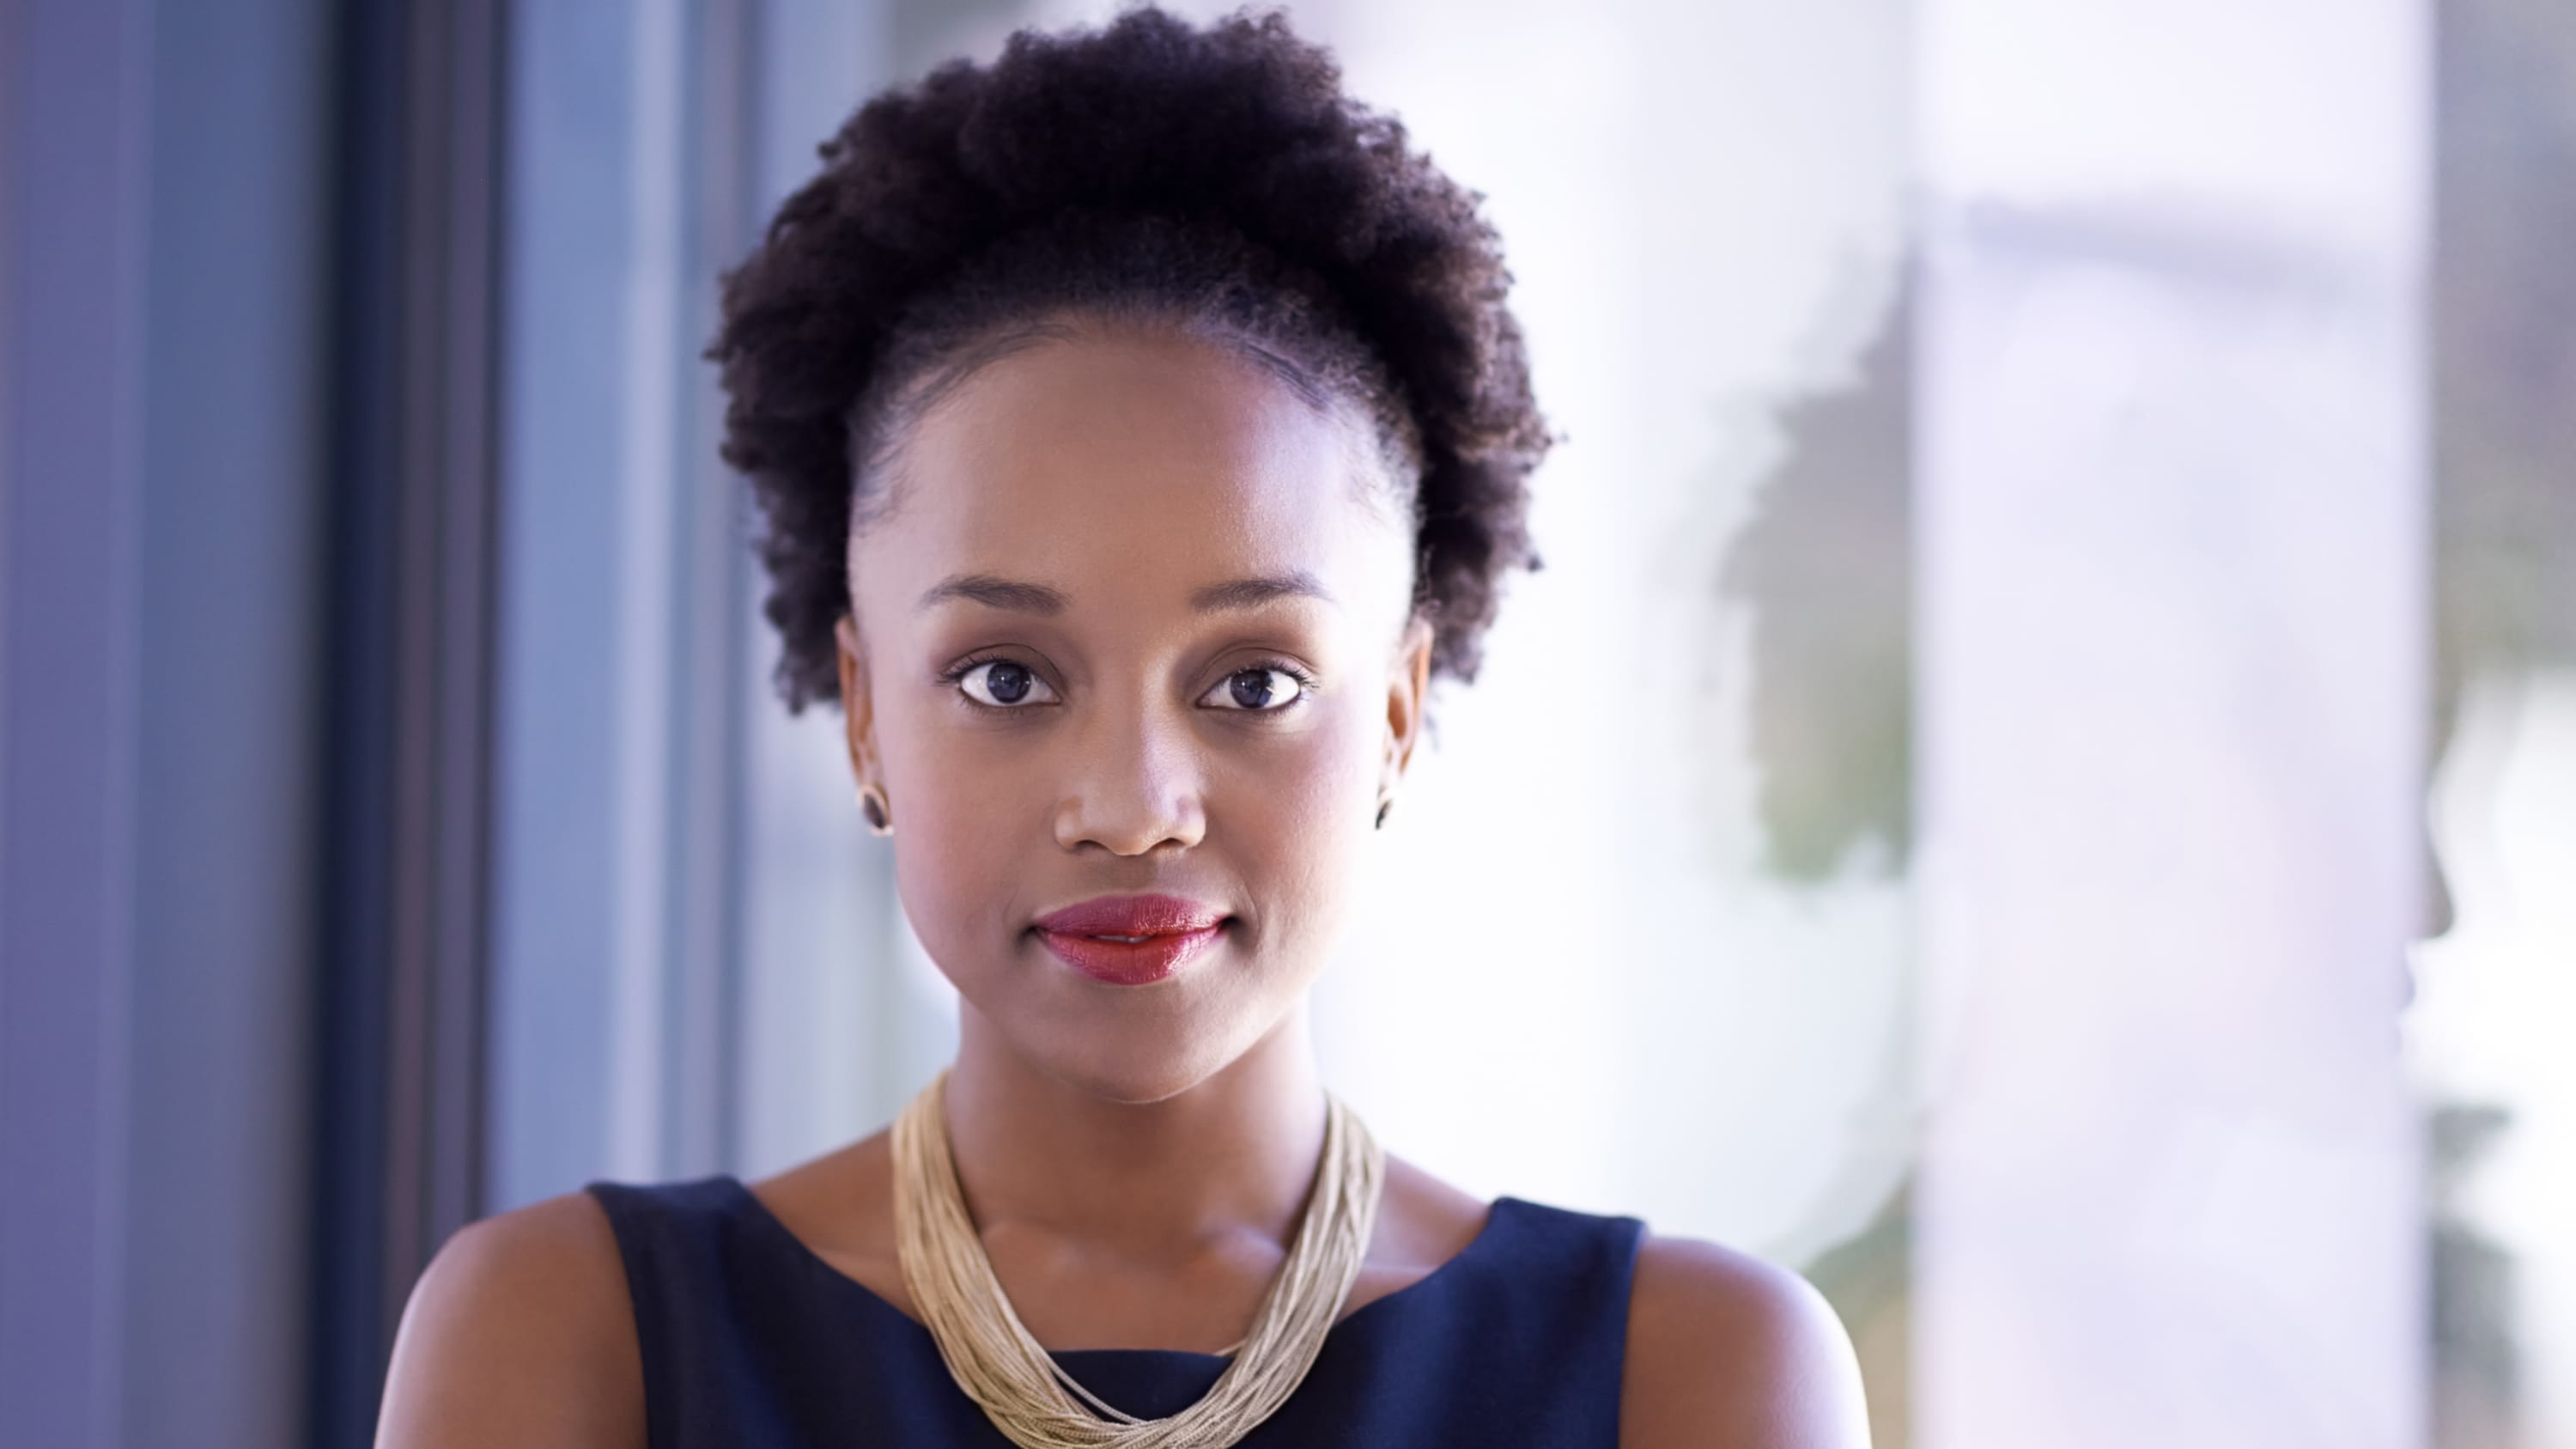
<point x="1154" y="1181"/>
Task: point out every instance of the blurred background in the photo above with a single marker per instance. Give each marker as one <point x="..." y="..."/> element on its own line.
<point x="2047" y="734"/>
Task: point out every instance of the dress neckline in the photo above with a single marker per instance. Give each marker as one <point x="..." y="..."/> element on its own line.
<point x="1482" y="1243"/>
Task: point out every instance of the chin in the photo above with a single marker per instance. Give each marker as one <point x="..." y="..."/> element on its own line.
<point x="1135" y="1051"/>
<point x="1129" y="1066"/>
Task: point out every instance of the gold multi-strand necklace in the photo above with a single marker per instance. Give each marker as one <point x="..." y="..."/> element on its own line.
<point x="1002" y="1367"/>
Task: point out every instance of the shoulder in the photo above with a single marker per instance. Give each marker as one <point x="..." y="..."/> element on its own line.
<point x="1726" y="1351"/>
<point x="519" y="1332"/>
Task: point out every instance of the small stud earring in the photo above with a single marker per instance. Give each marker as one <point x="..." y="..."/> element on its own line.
<point x="1384" y="804"/>
<point x="873" y="804"/>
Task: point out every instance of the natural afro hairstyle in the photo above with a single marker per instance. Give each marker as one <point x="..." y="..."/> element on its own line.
<point x="1215" y="179"/>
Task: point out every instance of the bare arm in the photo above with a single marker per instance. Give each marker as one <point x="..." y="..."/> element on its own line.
<point x="521" y="1332"/>
<point x="1726" y="1351"/>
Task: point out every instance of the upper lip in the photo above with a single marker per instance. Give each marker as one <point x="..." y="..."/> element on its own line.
<point x="1132" y="916"/>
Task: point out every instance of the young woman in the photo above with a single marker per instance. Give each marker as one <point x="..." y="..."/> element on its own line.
<point x="1140" y="429"/>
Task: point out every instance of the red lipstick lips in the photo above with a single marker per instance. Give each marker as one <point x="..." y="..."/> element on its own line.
<point x="1131" y="940"/>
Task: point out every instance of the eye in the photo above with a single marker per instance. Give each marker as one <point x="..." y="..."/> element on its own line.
<point x="1003" y="684"/>
<point x="1263" y="688"/>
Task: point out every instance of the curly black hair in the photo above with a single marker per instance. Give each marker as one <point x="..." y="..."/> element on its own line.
<point x="1216" y="179"/>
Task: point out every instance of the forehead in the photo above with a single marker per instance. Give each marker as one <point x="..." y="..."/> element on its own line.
<point x="1118" y="461"/>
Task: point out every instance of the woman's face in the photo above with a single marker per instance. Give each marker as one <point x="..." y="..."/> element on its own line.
<point x="1133" y="624"/>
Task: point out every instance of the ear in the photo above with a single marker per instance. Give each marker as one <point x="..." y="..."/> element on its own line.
<point x="858" y="718"/>
<point x="1408" y="690"/>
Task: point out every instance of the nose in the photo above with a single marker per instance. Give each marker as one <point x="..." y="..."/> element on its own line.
<point x="1136" y="784"/>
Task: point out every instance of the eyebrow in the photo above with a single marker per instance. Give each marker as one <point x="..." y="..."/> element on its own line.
<point x="1028" y="598"/>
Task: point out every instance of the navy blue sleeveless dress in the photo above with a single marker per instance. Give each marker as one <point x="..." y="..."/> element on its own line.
<point x="752" y="1341"/>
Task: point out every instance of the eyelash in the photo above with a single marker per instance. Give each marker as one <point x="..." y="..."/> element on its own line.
<point x="956" y="673"/>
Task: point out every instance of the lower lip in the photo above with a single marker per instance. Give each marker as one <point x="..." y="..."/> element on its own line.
<point x="1138" y="963"/>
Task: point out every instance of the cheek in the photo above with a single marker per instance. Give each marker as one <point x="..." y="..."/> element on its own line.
<point x="1295" y="822"/>
<point x="964" y="813"/>
<point x="1325" y="783"/>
